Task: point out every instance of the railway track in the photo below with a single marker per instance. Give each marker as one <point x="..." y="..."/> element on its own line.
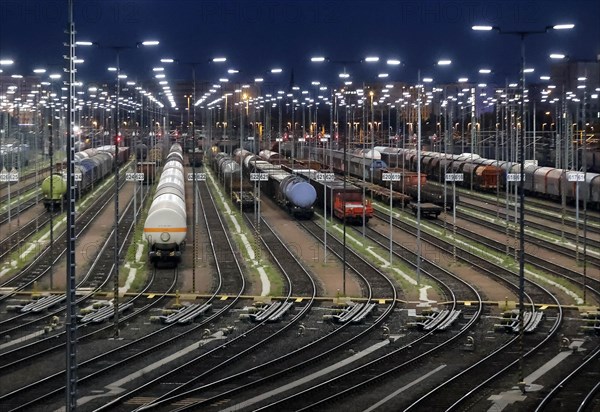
<point x="230" y="283"/>
<point x="549" y="227"/>
<point x="361" y="378"/>
<point x="496" y="359"/>
<point x="325" y="391"/>
<point x="240" y="344"/>
<point x="52" y="341"/>
<point x="14" y="240"/>
<point x="42" y="389"/>
<point x="44" y="263"/>
<point x="298" y="355"/>
<point x="541" y="210"/>
<point x="534" y="203"/>
<point x="591" y="284"/>
<point x="593" y="246"/>
<point x="22" y="207"/>
<point x="577" y="391"/>
<point x="534" y="207"/>
<point x="27" y="176"/>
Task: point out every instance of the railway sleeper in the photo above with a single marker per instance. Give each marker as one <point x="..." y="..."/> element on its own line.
<point x="590" y="329"/>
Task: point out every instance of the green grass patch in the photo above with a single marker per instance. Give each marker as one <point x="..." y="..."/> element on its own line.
<point x="142" y="267"/>
<point x="501" y="259"/>
<point x="222" y="197"/>
<point x="365" y="248"/>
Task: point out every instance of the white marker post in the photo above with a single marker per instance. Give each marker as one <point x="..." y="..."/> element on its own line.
<point x="258" y="177"/>
<point x="391" y="177"/>
<point x="78" y="177"/>
<point x="130" y="177"/>
<point x="10" y="177"/>
<point x="576" y="177"/>
<point x="325" y="177"/>
<point x="513" y="177"/>
<point x="454" y="177"/>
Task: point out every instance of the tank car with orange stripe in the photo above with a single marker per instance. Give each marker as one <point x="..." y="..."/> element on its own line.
<point x="165" y="228"/>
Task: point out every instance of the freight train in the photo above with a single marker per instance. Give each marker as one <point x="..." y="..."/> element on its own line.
<point x="165" y="228"/>
<point x="486" y="174"/>
<point x="196" y="158"/>
<point x="342" y="199"/>
<point x="92" y="164"/>
<point x="372" y="166"/>
<point x="141" y="152"/>
<point x="292" y="192"/>
<point x="346" y="202"/>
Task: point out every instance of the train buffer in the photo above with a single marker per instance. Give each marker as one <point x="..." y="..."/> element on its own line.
<point x="361" y="315"/>
<point x="245" y="200"/>
<point x="510" y="321"/>
<point x="446" y="323"/>
<point x="349" y="313"/>
<point x="435" y="320"/>
<point x="427" y="209"/>
<point x="272" y="312"/>
<point x="354" y="313"/>
<point x="43" y="303"/>
<point x="104" y="313"/>
<point x="592" y="322"/>
<point x="532" y="323"/>
<point x="187" y="314"/>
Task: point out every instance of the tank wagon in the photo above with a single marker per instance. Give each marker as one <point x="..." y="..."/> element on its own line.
<point x="149" y="171"/>
<point x="230" y="175"/>
<point x="141" y="152"/>
<point x="344" y="201"/>
<point x="196" y="158"/>
<point x="80" y="145"/>
<point x="292" y="192"/>
<point x="92" y="164"/>
<point x="157" y="153"/>
<point x="165" y="228"/>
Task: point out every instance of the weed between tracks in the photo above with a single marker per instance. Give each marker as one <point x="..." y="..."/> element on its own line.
<point x="245" y="239"/>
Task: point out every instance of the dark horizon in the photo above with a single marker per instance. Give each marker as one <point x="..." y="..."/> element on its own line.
<point x="257" y="35"/>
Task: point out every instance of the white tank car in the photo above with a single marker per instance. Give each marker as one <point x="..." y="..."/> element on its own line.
<point x="165" y="228"/>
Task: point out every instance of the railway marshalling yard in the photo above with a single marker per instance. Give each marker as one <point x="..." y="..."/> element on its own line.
<point x="277" y="324"/>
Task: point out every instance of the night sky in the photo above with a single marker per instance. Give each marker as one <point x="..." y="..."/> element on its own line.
<point x="258" y="35"/>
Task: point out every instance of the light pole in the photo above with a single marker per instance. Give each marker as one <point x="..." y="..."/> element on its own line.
<point x="444" y="62"/>
<point x="116" y="141"/>
<point x="71" y="321"/>
<point x="522" y="35"/>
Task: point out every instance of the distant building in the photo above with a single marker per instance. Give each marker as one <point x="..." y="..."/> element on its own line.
<point x="566" y="73"/>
